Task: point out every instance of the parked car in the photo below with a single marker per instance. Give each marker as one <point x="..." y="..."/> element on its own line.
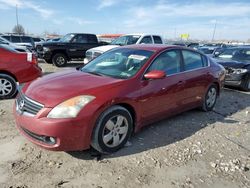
<point x="116" y="94"/>
<point x="237" y="63"/>
<point x="210" y="48"/>
<point x="121" y="41"/>
<point x="15" y="67"/>
<point x="72" y="46"/>
<point x="21" y="40"/>
<point x="4" y="42"/>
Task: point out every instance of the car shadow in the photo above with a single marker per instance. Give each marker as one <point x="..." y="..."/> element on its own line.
<point x="179" y="127"/>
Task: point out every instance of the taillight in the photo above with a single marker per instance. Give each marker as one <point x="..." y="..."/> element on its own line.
<point x="34" y="60"/>
<point x="31" y="58"/>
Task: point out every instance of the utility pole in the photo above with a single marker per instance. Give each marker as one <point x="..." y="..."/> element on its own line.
<point x="16" y="17"/>
<point x="215" y="25"/>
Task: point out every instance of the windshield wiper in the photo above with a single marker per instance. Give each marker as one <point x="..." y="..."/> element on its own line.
<point x="94" y="73"/>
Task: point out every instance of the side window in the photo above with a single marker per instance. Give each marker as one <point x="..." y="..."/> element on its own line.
<point x="169" y="62"/>
<point x="80" y="39"/>
<point x="92" y="39"/>
<point x="192" y="60"/>
<point x="146" y="40"/>
<point x="15" y="39"/>
<point x="26" y="39"/>
<point x="157" y="40"/>
<point x="6" y="37"/>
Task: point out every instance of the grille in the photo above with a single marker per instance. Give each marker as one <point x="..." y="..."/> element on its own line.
<point x="26" y="105"/>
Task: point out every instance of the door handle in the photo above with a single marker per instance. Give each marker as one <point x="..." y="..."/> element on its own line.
<point x="181" y="83"/>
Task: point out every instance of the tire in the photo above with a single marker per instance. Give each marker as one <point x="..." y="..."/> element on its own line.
<point x="245" y="85"/>
<point x="8" y="86"/>
<point x="210" y="98"/>
<point x="107" y="135"/>
<point x="59" y="60"/>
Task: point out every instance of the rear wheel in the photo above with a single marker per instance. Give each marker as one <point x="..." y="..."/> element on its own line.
<point x="8" y="86"/>
<point x="246" y="83"/>
<point x="210" y="98"/>
<point x="59" y="60"/>
<point x="112" y="130"/>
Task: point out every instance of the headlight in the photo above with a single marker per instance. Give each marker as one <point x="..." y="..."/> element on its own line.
<point x="46" y="49"/>
<point x="240" y="71"/>
<point x="70" y="108"/>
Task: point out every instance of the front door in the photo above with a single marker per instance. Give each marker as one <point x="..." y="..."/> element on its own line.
<point x="162" y="97"/>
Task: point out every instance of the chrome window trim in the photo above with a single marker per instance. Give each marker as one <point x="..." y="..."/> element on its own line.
<point x="208" y="60"/>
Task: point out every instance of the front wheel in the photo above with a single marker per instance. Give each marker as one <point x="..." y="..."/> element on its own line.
<point x="112" y="130"/>
<point x="210" y="98"/>
<point x="59" y="60"/>
<point x="8" y="87"/>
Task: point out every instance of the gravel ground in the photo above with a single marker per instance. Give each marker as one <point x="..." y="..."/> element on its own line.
<point x="193" y="149"/>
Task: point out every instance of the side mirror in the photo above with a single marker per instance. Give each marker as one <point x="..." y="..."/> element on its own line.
<point x="155" y="74"/>
<point x="216" y="54"/>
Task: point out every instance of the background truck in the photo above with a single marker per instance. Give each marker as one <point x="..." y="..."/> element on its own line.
<point x="121" y="41"/>
<point x="70" y="47"/>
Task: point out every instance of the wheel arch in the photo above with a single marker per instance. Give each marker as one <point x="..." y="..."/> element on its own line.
<point x="60" y="52"/>
<point x="9" y="74"/>
<point x="131" y="110"/>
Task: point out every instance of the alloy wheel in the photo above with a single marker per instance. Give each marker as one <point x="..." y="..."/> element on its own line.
<point x="60" y="60"/>
<point x="211" y="97"/>
<point x="115" y="131"/>
<point x="5" y="87"/>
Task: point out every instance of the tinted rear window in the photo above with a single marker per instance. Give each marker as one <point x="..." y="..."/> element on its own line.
<point x="7" y="47"/>
<point x="157" y="40"/>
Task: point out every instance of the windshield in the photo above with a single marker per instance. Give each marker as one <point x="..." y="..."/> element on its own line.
<point x="67" y="38"/>
<point x="118" y="63"/>
<point x="126" y="40"/>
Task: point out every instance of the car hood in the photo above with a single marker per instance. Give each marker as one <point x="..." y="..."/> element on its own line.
<point x="231" y="63"/>
<point x="55" y="88"/>
<point x="103" y="48"/>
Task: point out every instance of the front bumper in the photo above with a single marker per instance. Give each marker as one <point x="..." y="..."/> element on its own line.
<point x="69" y="134"/>
<point x="44" y="55"/>
<point x="234" y="79"/>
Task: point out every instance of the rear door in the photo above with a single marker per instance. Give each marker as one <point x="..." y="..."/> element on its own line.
<point x="197" y="76"/>
<point x="81" y="43"/>
<point x="161" y="97"/>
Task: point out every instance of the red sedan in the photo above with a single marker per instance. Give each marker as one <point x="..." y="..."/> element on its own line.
<point x="116" y="94"/>
<point x="15" y="67"/>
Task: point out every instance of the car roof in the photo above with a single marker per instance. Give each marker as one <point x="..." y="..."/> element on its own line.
<point x="153" y="47"/>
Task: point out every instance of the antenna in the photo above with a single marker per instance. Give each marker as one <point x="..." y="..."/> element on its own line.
<point x="215" y="25"/>
<point x="17" y="16"/>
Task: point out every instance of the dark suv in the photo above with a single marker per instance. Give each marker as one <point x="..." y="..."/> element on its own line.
<point x="20" y="40"/>
<point x="70" y="47"/>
